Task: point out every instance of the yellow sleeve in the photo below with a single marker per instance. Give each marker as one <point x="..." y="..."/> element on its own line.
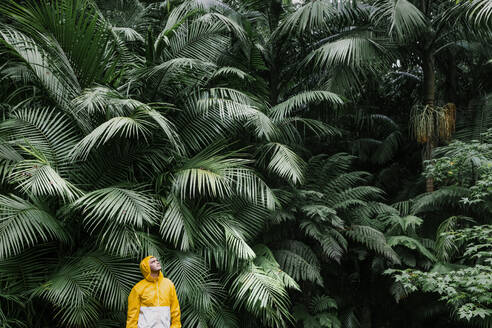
<point x="133" y="309"/>
<point x="175" y="312"/>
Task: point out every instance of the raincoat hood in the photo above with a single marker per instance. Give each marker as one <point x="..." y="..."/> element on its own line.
<point x="145" y="269"/>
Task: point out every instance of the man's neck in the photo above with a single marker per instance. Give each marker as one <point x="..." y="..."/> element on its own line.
<point x="154" y="274"/>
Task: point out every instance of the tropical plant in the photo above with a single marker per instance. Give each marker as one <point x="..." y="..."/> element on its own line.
<point x="117" y="154"/>
<point x="465" y="285"/>
<point x="252" y="146"/>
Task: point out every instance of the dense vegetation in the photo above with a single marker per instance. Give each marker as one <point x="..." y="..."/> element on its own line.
<point x="293" y="164"/>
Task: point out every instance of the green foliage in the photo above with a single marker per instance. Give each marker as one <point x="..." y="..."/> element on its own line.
<point x="214" y="134"/>
<point x="321" y="312"/>
<point x="467" y="289"/>
<point x="465" y="165"/>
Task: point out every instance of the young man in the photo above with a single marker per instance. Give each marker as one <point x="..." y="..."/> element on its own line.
<point x="153" y="301"/>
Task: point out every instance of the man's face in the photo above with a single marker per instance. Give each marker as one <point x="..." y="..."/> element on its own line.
<point x="154" y="264"/>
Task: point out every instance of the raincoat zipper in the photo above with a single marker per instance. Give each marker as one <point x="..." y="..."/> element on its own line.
<point x="157" y="291"/>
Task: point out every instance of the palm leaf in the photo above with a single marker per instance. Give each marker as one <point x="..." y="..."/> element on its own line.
<point x="38" y="178"/>
<point x="50" y="132"/>
<point x="236" y="243"/>
<point x="406" y="22"/>
<point x="261" y="295"/>
<point x="113" y="278"/>
<point x="188" y="272"/>
<point x="311" y="16"/>
<point x="128" y="34"/>
<point x="69" y="290"/>
<point x="351" y="52"/>
<point x="178" y="225"/>
<point x="24" y="224"/>
<point x="51" y="68"/>
<point x="134" y="126"/>
<point x="117" y="205"/>
<point x="75" y="25"/>
<point x="124" y="240"/>
<point x="281" y="160"/>
<point x="209" y="173"/>
<point x="301" y="100"/>
<point x="104" y="100"/>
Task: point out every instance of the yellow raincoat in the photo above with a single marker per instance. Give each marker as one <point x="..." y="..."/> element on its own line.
<point x="153" y="302"/>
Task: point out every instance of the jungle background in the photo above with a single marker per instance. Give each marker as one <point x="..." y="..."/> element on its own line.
<point x="291" y="163"/>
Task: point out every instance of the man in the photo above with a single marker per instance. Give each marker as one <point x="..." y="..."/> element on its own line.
<point x="153" y="301"/>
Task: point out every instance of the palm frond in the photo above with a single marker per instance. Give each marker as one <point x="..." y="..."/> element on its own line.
<point x="52" y="68"/>
<point x="34" y="264"/>
<point x="77" y="27"/>
<point x="134" y="126"/>
<point x="237" y="244"/>
<point x="117" y="205"/>
<point x="104" y="100"/>
<point x="178" y="224"/>
<point x="406" y="22"/>
<point x="23" y="224"/>
<point x="311" y="16"/>
<point x="168" y="76"/>
<point x="260" y="294"/>
<point x="476" y="14"/>
<point x="209" y="173"/>
<point x="266" y="260"/>
<point x="123" y="240"/>
<point x="188" y="272"/>
<point x="128" y="34"/>
<point x="281" y="160"/>
<point x="166" y="126"/>
<point x="39" y="179"/>
<point x="47" y="130"/>
<point x="354" y="52"/>
<point x="202" y="39"/>
<point x="234" y="105"/>
<point x="224" y="319"/>
<point x="112" y="278"/>
<point x="302" y="100"/>
<point x="70" y="291"/>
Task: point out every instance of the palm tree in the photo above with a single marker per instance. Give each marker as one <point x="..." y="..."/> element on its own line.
<point x="352" y="40"/>
<point x="121" y="145"/>
<point x="433" y="31"/>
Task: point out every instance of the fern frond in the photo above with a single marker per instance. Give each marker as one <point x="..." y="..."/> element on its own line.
<point x="374" y="240"/>
<point x="299" y="261"/>
<point x="411" y="243"/>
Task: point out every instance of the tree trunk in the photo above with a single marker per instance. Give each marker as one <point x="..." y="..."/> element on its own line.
<point x="429" y="92"/>
<point x="451" y="79"/>
<point x="366" y="318"/>
<point x="429" y="77"/>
